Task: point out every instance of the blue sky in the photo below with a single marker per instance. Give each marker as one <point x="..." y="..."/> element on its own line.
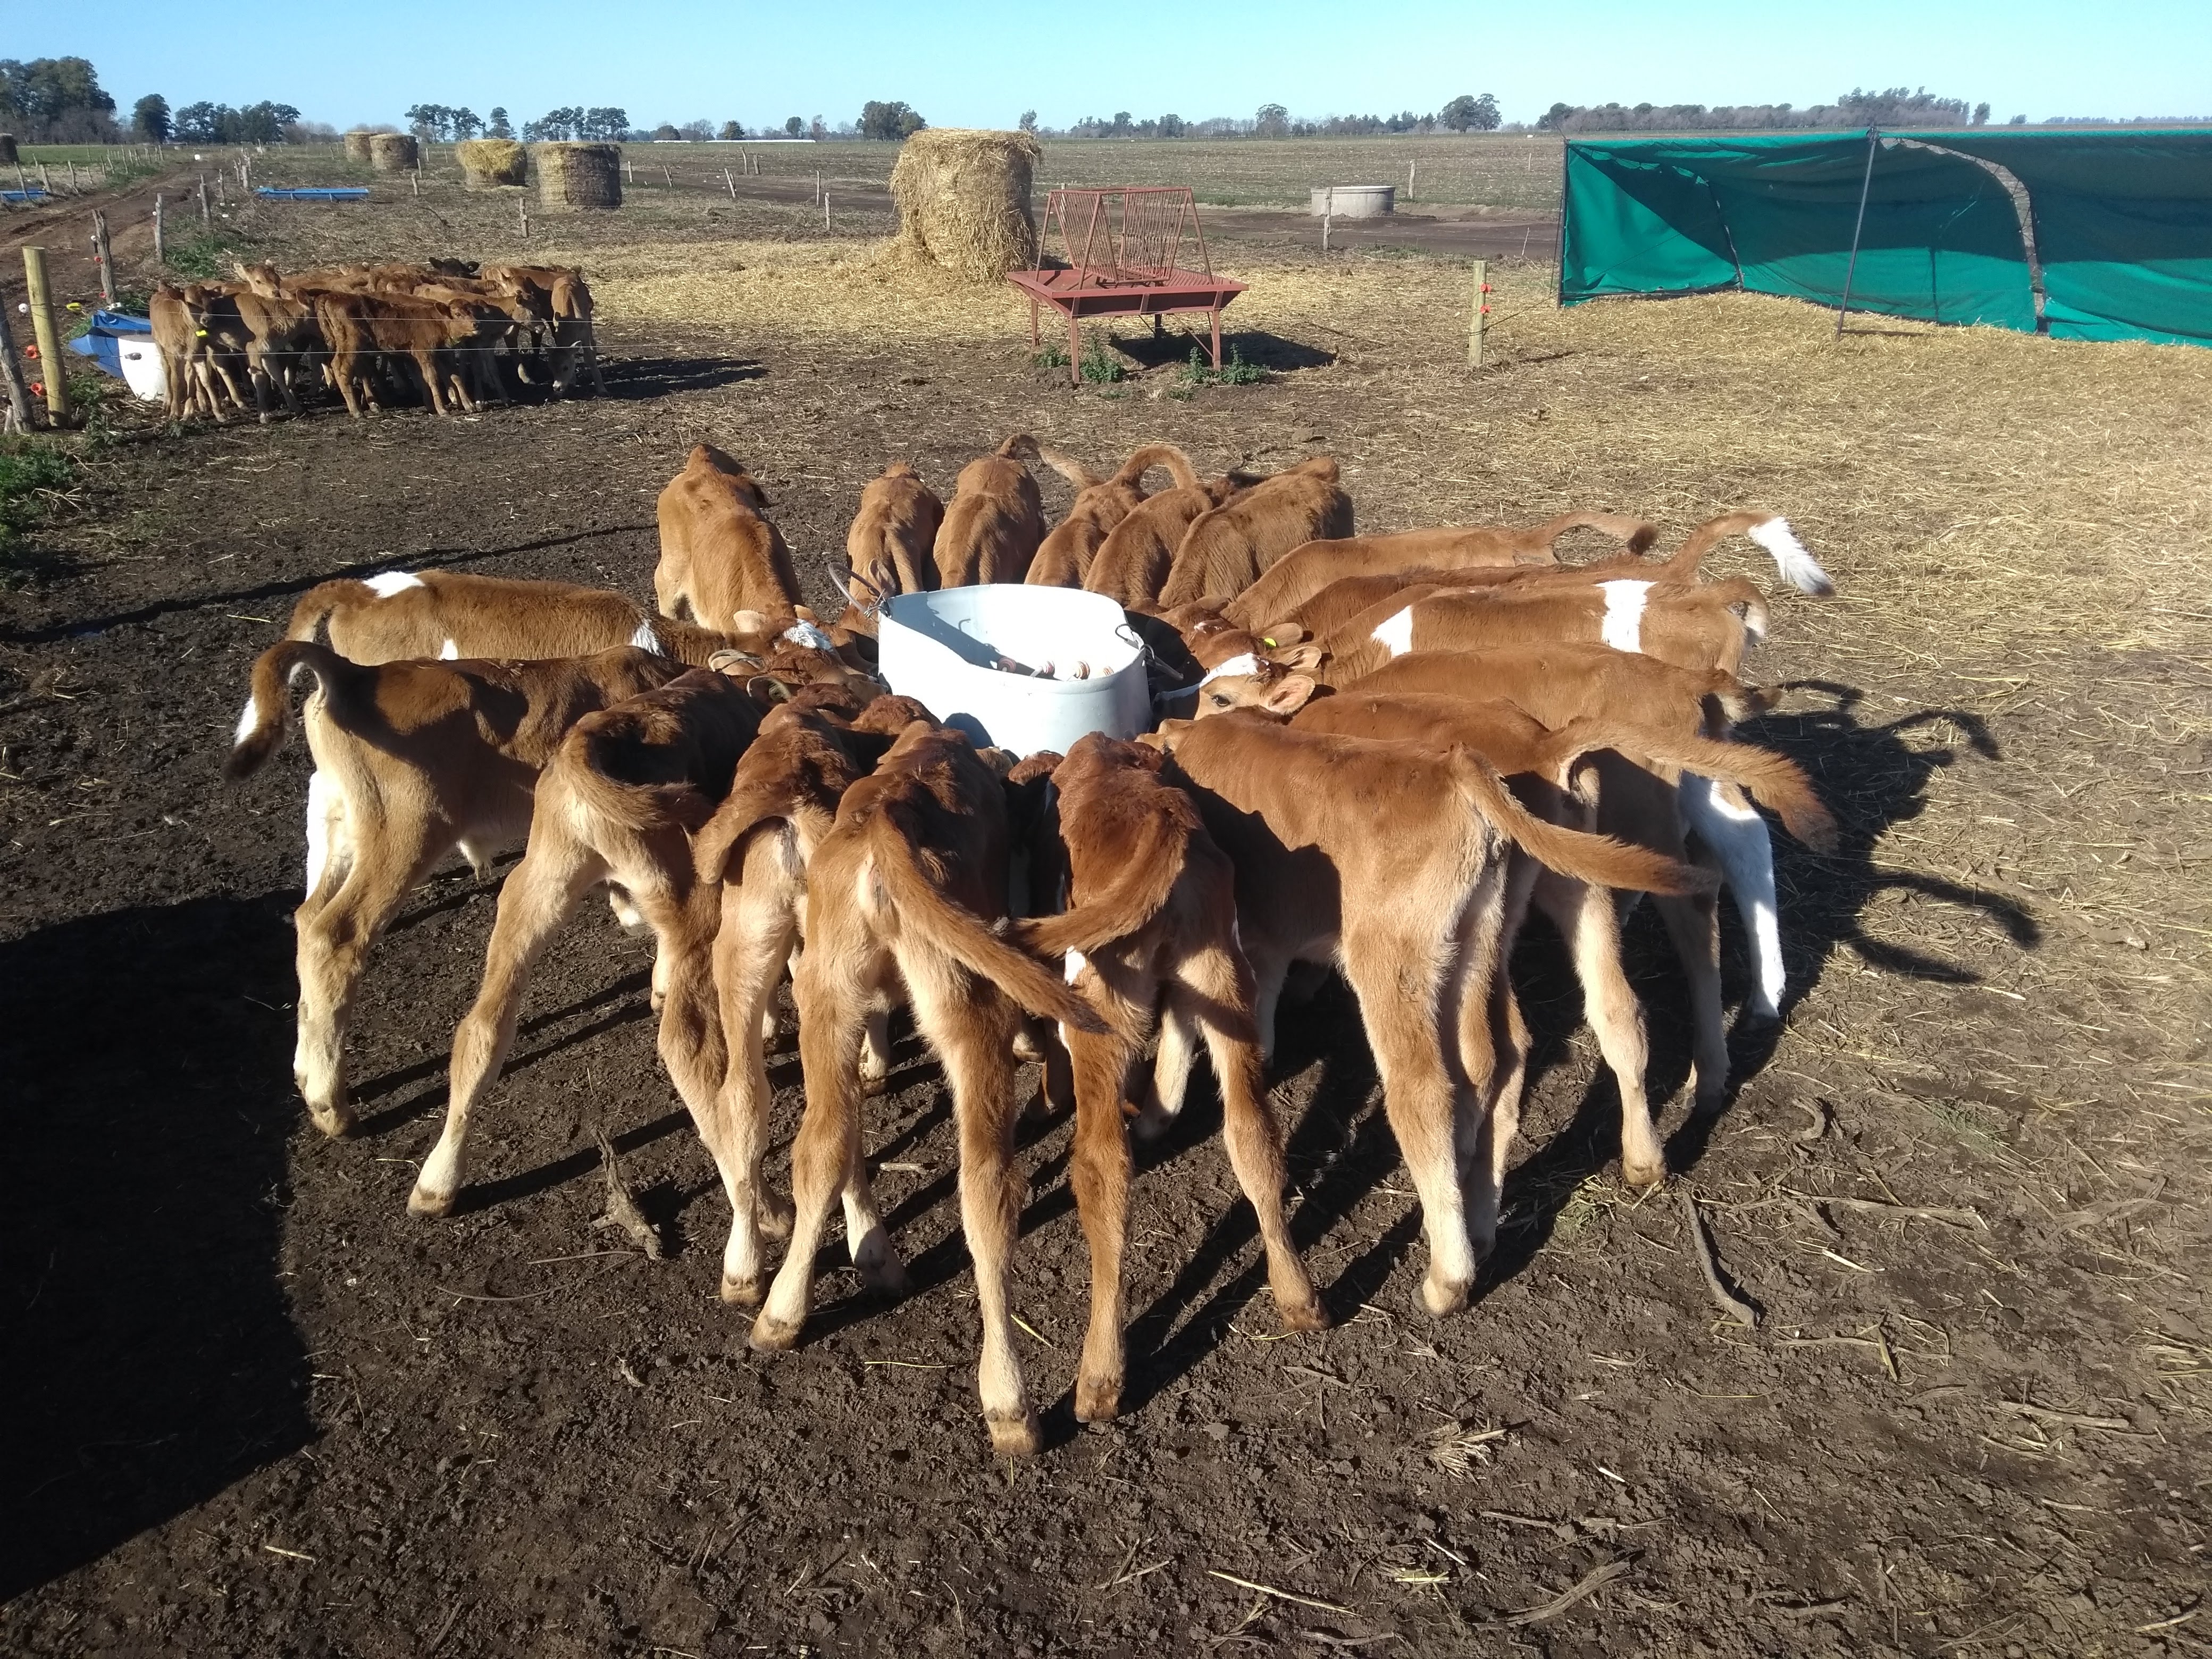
<point x="983" y="63"/>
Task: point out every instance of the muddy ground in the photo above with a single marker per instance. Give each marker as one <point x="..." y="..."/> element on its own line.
<point x="253" y="1406"/>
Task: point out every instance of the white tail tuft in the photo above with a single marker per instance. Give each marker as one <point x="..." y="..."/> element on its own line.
<point x="1798" y="566"/>
<point x="808" y="636"/>
<point x="646" y="640"/>
<point x="247" y="720"/>
<point x="385" y="583"/>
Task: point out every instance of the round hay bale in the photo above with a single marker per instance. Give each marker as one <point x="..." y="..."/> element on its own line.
<point x="356" y="145"/>
<point x="964" y="199"/>
<point x="578" y="175"/>
<point x="394" y="152"/>
<point x="8" y="156"/>
<point x="488" y="161"/>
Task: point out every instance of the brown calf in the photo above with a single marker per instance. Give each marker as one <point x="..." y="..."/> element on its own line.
<point x="995" y="521"/>
<point x="1387" y="858"/>
<point x="891" y="546"/>
<point x="719" y="554"/>
<point x="1153" y="910"/>
<point x="1132" y="564"/>
<point x="1304" y="571"/>
<point x="909" y="878"/>
<point x="617" y="803"/>
<point x="1064" y="558"/>
<point x="782" y="801"/>
<point x="413" y="761"/>
<point x="1226" y="549"/>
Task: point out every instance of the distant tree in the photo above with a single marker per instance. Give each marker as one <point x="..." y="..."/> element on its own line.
<point x="817" y="128"/>
<point x="497" y="127"/>
<point x="149" y="118"/>
<point x="1981" y="115"/>
<point x="696" y="131"/>
<point x="1555" y="119"/>
<point x="795" y="127"/>
<point x="467" y="123"/>
<point x="732" y="129"/>
<point x="666" y="129"/>
<point x="1466" y="113"/>
<point x="1028" y="123"/>
<point x="56" y="101"/>
<point x="195" y="124"/>
<point x="605" y="124"/>
<point x="2019" y="120"/>
<point x="556" y="124"/>
<point x="890" y="121"/>
<point x="1272" y="121"/>
<point x="1172" y="126"/>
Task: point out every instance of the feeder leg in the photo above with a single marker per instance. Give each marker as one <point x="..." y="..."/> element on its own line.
<point x="1217" y="339"/>
<point x="1074" y="350"/>
<point x="1035" y="339"/>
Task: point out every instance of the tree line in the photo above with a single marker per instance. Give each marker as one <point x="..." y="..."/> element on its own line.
<point x="1891" y="106"/>
<point x="1469" y="112"/>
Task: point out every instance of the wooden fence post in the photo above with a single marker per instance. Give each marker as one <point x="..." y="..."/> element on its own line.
<point x="207" y="216"/>
<point x="161" y="245"/>
<point x="731" y="182"/>
<point x="825" y="209"/>
<point x="1481" y="310"/>
<point x="103" y="256"/>
<point x="20" y="413"/>
<point x="51" y="368"/>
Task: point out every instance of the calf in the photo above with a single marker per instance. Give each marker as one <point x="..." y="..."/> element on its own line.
<point x="617" y="803"/>
<point x="1154" y="913"/>
<point x="719" y="556"/>
<point x="1226" y="549"/>
<point x="891" y="546"/>
<point x="284" y="337"/>
<point x="1558" y="684"/>
<point x="995" y="521"/>
<point x="1304" y="571"/>
<point x="782" y="801"/>
<point x="439" y="614"/>
<point x="1064" y="559"/>
<point x="1388" y="859"/>
<point x="1132" y="564"/>
<point x="910" y="877"/>
<point x="413" y="761"/>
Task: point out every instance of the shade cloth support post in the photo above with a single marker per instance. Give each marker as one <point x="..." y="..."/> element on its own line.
<point x="1559" y="239"/>
<point x="1873" y="140"/>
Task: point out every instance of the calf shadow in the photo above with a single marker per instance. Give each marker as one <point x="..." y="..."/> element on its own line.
<point x="151" y="1358"/>
<point x="639" y="379"/>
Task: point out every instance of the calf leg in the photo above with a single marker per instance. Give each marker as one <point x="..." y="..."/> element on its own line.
<point x="1098" y="1171"/>
<point x="1586" y="919"/>
<point x="1693" y="924"/>
<point x="540" y="893"/>
<point x="1737" y="836"/>
<point x="335" y="935"/>
<point x="759" y="921"/>
<point x="1484" y="1152"/>
<point x="1217" y="985"/>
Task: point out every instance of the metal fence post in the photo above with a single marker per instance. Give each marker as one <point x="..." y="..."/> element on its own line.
<point x="1851" y="270"/>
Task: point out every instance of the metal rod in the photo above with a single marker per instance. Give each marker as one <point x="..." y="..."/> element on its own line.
<point x="1559" y="242"/>
<point x="51" y="368"/>
<point x="1866" y="185"/>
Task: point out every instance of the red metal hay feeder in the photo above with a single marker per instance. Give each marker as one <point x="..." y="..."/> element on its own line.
<point x="1122" y="247"/>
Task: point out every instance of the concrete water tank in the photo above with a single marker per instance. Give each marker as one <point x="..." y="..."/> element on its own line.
<point x="1354" y="200"/>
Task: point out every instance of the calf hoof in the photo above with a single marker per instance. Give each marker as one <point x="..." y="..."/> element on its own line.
<point x="874" y="1083"/>
<point x="1442" y="1297"/>
<point x="1643" y="1175"/>
<point x="333" y="1121"/>
<point x="1151" y="1125"/>
<point x="424" y="1202"/>
<point x="1097" y="1399"/>
<point x="772" y="1335"/>
<point x="1026" y="1047"/>
<point x="1014" y="1436"/>
<point x="745" y="1292"/>
<point x="1306" y="1316"/>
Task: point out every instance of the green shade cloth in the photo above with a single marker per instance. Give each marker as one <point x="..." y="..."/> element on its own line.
<point x="2123" y="224"/>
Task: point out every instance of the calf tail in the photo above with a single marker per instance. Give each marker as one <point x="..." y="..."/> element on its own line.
<point x="746" y="809"/>
<point x="1138" y="889"/>
<point x="957" y="931"/>
<point x="1020" y="447"/>
<point x="1775" y="781"/>
<point x="1772" y="531"/>
<point x="268" y="714"/>
<point x="319" y="601"/>
<point x="1634" y="534"/>
<point x="1077" y="475"/>
<point x="1598" y="860"/>
<point x="1145" y="459"/>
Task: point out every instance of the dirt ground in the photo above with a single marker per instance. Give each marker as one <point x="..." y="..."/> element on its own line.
<point x="253" y="1406"/>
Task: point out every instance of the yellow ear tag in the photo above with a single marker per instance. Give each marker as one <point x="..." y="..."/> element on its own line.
<point x="1267" y="641"/>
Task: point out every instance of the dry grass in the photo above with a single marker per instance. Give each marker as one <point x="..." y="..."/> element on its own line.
<point x="964" y="200"/>
<point x="493" y="160"/>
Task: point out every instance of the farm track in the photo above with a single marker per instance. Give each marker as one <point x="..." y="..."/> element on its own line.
<point x="253" y="1406"/>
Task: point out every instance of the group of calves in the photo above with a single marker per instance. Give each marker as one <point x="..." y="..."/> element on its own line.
<point x="447" y="332"/>
<point x="1380" y="752"/>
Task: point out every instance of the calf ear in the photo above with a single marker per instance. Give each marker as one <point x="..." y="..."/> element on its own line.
<point x="749" y="623"/>
<point x="1281" y="635"/>
<point x="1305" y="658"/>
<point x="1287" y="696"/>
<point x="804" y="613"/>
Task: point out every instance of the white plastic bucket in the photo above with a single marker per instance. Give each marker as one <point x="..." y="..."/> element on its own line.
<point x="142" y="368"/>
<point x="937" y="648"/>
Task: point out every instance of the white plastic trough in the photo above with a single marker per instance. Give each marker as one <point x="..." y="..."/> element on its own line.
<point x="937" y="648"/>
